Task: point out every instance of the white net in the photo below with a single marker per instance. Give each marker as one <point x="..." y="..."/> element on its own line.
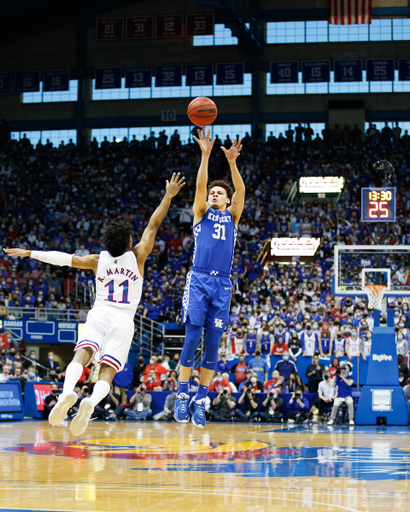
<point x="375" y="295"/>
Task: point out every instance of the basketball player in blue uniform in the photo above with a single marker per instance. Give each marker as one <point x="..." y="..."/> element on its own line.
<point x="207" y="294"/>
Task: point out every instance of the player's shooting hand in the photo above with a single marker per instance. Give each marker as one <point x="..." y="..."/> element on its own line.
<point x="18" y="252"/>
<point x="204" y="141"/>
<point x="234" y="151"/>
<point x="174" y="185"/>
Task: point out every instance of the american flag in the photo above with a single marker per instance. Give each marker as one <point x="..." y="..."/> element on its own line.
<point x="350" y="12"/>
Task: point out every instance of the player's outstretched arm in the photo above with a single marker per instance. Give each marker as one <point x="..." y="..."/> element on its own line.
<point x="58" y="258"/>
<point x="200" y="207"/>
<point x="146" y="244"/>
<point x="238" y="199"/>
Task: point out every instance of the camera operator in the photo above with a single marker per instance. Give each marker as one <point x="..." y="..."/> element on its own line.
<point x="223" y="406"/>
<point x="345" y="387"/>
<point x="141" y="405"/>
<point x="298" y="407"/>
<point x="272" y="404"/>
<point x="251" y="405"/>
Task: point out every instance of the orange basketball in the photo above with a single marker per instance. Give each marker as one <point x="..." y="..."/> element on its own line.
<point x="202" y="111"/>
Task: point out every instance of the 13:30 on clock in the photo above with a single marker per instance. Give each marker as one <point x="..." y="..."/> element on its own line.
<point x="379" y="204"/>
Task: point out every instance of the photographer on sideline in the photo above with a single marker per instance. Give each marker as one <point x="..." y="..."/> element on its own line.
<point x="223" y="406"/>
<point x="298" y="407"/>
<point x="272" y="404"/>
<point x="141" y="409"/>
<point x="345" y="387"/>
<point x="251" y="405"/>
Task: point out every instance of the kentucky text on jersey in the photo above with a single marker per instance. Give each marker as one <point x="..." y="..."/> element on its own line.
<point x="219" y="218"/>
<point x="122" y="271"/>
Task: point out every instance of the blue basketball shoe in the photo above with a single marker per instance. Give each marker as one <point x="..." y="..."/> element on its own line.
<point x="181" y="411"/>
<point x="197" y="409"/>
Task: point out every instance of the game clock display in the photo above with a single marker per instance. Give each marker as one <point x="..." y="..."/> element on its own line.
<point x="379" y="204"/>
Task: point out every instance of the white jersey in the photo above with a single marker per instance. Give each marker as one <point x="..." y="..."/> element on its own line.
<point x="118" y="282"/>
<point x="367" y="347"/>
<point x="354" y="346"/>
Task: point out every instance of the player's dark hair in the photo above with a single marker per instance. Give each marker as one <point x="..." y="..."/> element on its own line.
<point x="116" y="237"/>
<point x="220" y="183"/>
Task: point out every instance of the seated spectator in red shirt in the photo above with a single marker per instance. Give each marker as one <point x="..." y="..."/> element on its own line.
<point x="85" y="377"/>
<point x="151" y="381"/>
<point x="279" y="347"/>
<point x="218" y="383"/>
<point x="251" y="383"/>
<point x="276" y="382"/>
<point x="153" y="365"/>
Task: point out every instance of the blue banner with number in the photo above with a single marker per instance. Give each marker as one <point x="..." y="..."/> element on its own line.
<point x="108" y="78"/>
<point x="168" y="76"/>
<point x="5" y="83"/>
<point x="315" y="71"/>
<point x="51" y="331"/>
<point x="284" y="72"/>
<point x="230" y="74"/>
<point x="380" y="70"/>
<point x="404" y="69"/>
<point x="201" y="74"/>
<point x="27" y="81"/>
<point x="348" y="70"/>
<point x="140" y="76"/>
<point x="56" y="80"/>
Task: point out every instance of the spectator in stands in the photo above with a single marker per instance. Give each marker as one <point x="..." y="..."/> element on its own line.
<point x="223" y="406"/>
<point x="297" y="407"/>
<point x="218" y="383"/>
<point x="272" y="407"/>
<point x="251" y="382"/>
<point x="344" y="383"/>
<point x="5" y="373"/>
<point x="223" y="365"/>
<point x="167" y="413"/>
<point x="285" y="367"/>
<point x="403" y="370"/>
<point x="170" y="383"/>
<point x="326" y="393"/>
<point x="138" y="372"/>
<point x="153" y="365"/>
<point x="194" y="381"/>
<point x="51" y="363"/>
<point x="276" y="382"/>
<point x="239" y="370"/>
<point x="32" y="361"/>
<point x="151" y="381"/>
<point x="175" y="362"/>
<point x="314" y="373"/>
<point x="50" y="400"/>
<point x="292" y="383"/>
<point x="141" y="405"/>
<point x="251" y="401"/>
<point x="31" y="374"/>
<point x="259" y="366"/>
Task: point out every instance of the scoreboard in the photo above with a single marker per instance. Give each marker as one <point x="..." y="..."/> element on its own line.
<point x="379" y="204"/>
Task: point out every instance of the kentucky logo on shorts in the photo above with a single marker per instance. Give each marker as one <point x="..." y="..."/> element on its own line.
<point x="218" y="323"/>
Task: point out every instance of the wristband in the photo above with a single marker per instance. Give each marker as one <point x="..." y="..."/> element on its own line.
<point x="53" y="257"/>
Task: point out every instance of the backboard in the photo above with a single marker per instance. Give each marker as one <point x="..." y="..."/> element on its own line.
<point x="356" y="265"/>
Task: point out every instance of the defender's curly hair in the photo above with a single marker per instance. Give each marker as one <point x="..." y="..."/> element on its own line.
<point x="220" y="183"/>
<point x="116" y="237"/>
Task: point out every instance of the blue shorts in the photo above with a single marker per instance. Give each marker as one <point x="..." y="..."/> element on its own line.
<point x="207" y="300"/>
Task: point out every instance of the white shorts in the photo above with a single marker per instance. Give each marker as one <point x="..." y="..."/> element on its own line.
<point x="109" y="332"/>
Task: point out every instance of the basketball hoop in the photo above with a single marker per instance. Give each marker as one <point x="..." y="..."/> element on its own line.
<point x="375" y="294"/>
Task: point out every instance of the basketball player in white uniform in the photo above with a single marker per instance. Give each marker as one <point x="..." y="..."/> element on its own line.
<point x="109" y="328"/>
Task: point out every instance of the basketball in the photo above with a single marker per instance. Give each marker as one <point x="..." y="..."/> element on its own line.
<point x="202" y="111"/>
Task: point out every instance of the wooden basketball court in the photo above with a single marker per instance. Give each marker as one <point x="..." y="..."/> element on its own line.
<point x="233" y="467"/>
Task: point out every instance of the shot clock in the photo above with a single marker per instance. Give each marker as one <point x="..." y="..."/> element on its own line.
<point x="379" y="204"/>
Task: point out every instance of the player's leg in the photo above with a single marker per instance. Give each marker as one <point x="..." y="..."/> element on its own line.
<point x="192" y="338"/>
<point x="87" y="405"/>
<point x="68" y="397"/>
<point x="208" y="365"/>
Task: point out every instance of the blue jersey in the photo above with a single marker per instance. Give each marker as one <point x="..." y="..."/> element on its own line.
<point x="265" y="344"/>
<point x="250" y="343"/>
<point x="325" y="343"/>
<point x="215" y="239"/>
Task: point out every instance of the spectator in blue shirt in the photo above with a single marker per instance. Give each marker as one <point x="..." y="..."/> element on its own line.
<point x="259" y="366"/>
<point x="344" y="383"/>
<point x="285" y="367"/>
<point x="223" y="365"/>
<point x="124" y="378"/>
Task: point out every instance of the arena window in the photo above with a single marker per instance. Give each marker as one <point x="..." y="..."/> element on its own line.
<point x="173" y="92"/>
<point x="55" y="136"/>
<point x="286" y="32"/>
<point x="222" y="36"/>
<point x="52" y="97"/>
